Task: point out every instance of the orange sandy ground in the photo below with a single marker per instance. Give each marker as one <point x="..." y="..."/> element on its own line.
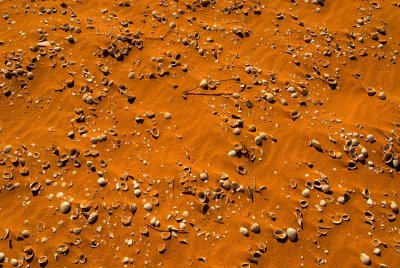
<point x="199" y="135"/>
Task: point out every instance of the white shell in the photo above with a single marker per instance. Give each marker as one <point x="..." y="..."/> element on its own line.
<point x="365" y="259"/>
<point x="244" y="231"/>
<point x="65" y="207"/>
<point x="92" y="217"/>
<point x="394" y="207"/>
<point x="306" y="193"/>
<point x="292" y="234"/>
<point x="148" y="207"/>
<point x="255" y="228"/>
<point x="133" y="208"/>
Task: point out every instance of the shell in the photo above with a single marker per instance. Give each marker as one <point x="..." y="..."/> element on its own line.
<point x="165" y="235"/>
<point x="255" y="228"/>
<point x="369" y="216"/>
<point x="161" y="248"/>
<point x="366" y="194"/>
<point x="24" y="171"/>
<point x="202" y="197"/>
<point x="241" y="169"/>
<point x="93" y="216"/>
<point x="42" y="260"/>
<point x="35" y="187"/>
<point x="85" y="205"/>
<point x="262" y="247"/>
<point x="291" y="234"/>
<point x="144" y="231"/>
<point x="63" y="249"/>
<point x="244" y="231"/>
<point x="388" y="157"/>
<point x="351" y="165"/>
<point x="235" y="186"/>
<point x="133" y="208"/>
<point x="280" y="235"/>
<point x="303" y="203"/>
<point x="7" y="175"/>
<point x="204" y="208"/>
<point x="394" y="207"/>
<point x="391" y="216"/>
<point x="293" y="184"/>
<point x="126" y="220"/>
<point x="294" y="115"/>
<point x="365" y="259"/>
<point x="337" y="219"/>
<point x="65" y="207"/>
<point x="316" y="144"/>
<point x="155" y="133"/>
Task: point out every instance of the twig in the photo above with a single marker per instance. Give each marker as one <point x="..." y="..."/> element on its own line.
<point x="205" y="94"/>
<point x="222" y="80"/>
<point x="164" y="231"/>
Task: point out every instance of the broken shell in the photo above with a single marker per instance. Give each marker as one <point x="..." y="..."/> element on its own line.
<point x="376" y="242"/>
<point x="366" y="194"/>
<point x="204" y="208"/>
<point x="144" y="231"/>
<point x="291" y="234"/>
<point x="337" y="219"/>
<point x="85" y="205"/>
<point x="82" y="259"/>
<point x="122" y="185"/>
<point x="165" y="235"/>
<point x="345" y="217"/>
<point x="161" y="248"/>
<point x="28" y="256"/>
<point x="126" y="220"/>
<point x="280" y="235"/>
<point x="155" y="133"/>
<point x="262" y="247"/>
<point x="202" y="197"/>
<point x="154" y="201"/>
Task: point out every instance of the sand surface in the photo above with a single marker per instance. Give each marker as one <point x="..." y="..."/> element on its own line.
<point x="157" y="133"/>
